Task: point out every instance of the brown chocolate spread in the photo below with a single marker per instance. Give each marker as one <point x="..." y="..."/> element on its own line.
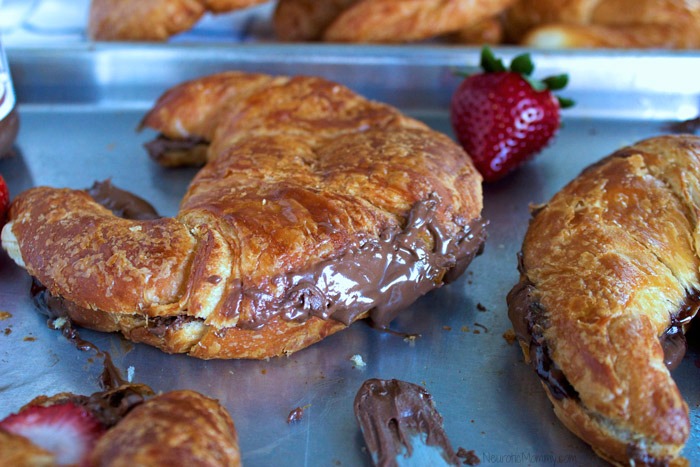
<point x="673" y="339"/>
<point x="162" y="149"/>
<point x="391" y="412"/>
<point x="528" y="320"/>
<point x="122" y="203"/>
<point x="382" y="275"/>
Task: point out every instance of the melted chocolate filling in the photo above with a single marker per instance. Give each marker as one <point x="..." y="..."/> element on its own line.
<point x="673" y="340"/>
<point x="529" y="323"/>
<point x="382" y="275"/>
<point x="112" y="405"/>
<point x="160" y="147"/>
<point x="121" y="202"/>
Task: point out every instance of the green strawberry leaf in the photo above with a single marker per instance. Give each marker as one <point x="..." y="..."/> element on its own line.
<point x="565" y="102"/>
<point x="522" y="64"/>
<point x="489" y="62"/>
<point x="555" y="83"/>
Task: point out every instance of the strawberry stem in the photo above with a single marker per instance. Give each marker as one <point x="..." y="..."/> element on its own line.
<point x="524" y="66"/>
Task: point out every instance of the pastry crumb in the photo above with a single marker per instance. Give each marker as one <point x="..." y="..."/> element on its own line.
<point x="5" y="315"/>
<point x="358" y="361"/>
<point x="58" y="323"/>
<point x="509" y="336"/>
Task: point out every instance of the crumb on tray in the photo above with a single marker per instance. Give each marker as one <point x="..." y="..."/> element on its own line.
<point x="358" y="361"/>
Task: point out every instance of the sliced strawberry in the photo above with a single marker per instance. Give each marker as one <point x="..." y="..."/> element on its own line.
<point x="66" y="430"/>
<point x="4" y="201"/>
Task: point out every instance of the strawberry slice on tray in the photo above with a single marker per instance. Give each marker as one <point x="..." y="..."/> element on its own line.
<point x="504" y="117"/>
<point x="67" y="431"/>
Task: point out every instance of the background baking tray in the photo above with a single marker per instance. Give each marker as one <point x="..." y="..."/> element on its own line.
<point x="80" y="106"/>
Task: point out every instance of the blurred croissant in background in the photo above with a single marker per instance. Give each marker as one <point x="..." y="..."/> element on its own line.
<point x="152" y="20"/>
<point x="673" y="24"/>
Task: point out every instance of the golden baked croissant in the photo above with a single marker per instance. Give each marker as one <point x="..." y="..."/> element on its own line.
<point x="379" y="20"/>
<point x="316" y="207"/>
<point x="120" y="427"/>
<point x="609" y="280"/>
<point x="151" y="20"/>
<point x="605" y="23"/>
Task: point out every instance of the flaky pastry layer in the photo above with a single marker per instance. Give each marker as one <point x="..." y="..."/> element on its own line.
<point x="379" y="21"/>
<point x="152" y="20"/>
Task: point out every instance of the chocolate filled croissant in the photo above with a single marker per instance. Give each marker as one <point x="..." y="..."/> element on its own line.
<point x="609" y="23"/>
<point x="316" y="207"/>
<point x="152" y="20"/>
<point x="123" y="426"/>
<point x="386" y="21"/>
<point x="609" y="281"/>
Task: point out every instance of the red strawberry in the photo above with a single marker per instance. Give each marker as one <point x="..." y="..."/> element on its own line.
<point x="502" y="117"/>
<point x="67" y="430"/>
<point x="4" y="201"/>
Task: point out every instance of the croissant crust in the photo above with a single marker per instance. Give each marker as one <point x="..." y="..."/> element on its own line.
<point x="180" y="427"/>
<point x="386" y="21"/>
<point x="609" y="281"/>
<point x="605" y="23"/>
<point x="315" y="207"/>
<point x="151" y="20"/>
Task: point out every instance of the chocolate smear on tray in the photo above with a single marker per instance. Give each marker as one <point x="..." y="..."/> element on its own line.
<point x="398" y="419"/>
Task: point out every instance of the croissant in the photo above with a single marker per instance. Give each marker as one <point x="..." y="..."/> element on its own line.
<point x="316" y="207"/>
<point x="151" y="20"/>
<point x="129" y="426"/>
<point x="608" y="23"/>
<point x="386" y="21"/>
<point x="609" y="281"/>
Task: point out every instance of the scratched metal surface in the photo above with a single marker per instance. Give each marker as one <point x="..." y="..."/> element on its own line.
<point x="79" y="108"/>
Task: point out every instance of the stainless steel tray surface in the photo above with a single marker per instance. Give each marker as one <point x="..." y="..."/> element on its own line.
<point x="79" y="109"/>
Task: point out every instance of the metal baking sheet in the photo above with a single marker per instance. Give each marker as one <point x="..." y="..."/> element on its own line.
<point x="79" y="108"/>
